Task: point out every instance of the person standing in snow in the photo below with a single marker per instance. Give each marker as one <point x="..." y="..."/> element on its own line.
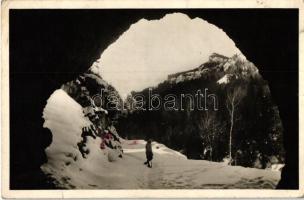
<point x="149" y="153"/>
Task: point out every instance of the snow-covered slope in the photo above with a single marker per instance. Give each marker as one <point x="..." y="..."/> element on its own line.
<point x="64" y="117"/>
<point x="224" y="79"/>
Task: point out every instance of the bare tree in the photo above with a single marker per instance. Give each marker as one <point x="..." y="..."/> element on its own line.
<point x="207" y="130"/>
<point x="129" y="103"/>
<point x="234" y="97"/>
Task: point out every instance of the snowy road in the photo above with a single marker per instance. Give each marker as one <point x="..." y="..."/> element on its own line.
<point x="171" y="170"/>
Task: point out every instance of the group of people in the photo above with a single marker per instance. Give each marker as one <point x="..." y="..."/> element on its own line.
<point x="102" y="127"/>
<point x="108" y="139"/>
<point x="111" y="139"/>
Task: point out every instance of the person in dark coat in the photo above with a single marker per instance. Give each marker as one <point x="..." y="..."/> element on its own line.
<point x="149" y="153"/>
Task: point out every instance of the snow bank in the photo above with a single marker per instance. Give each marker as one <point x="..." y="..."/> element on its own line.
<point x="64" y="117"/>
<point x="61" y="116"/>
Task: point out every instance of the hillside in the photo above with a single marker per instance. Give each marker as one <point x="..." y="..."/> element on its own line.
<point x="203" y="133"/>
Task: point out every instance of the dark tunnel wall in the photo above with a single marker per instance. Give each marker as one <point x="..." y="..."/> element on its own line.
<point x="51" y="47"/>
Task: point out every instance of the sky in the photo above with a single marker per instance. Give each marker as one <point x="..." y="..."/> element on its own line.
<point x="146" y="53"/>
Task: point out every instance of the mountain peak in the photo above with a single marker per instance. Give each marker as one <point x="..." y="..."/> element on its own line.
<point x="215" y="57"/>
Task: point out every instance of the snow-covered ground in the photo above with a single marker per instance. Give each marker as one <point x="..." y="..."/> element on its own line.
<point x="171" y="169"/>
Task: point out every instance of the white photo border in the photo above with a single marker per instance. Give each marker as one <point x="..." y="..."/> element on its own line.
<point x="146" y="193"/>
